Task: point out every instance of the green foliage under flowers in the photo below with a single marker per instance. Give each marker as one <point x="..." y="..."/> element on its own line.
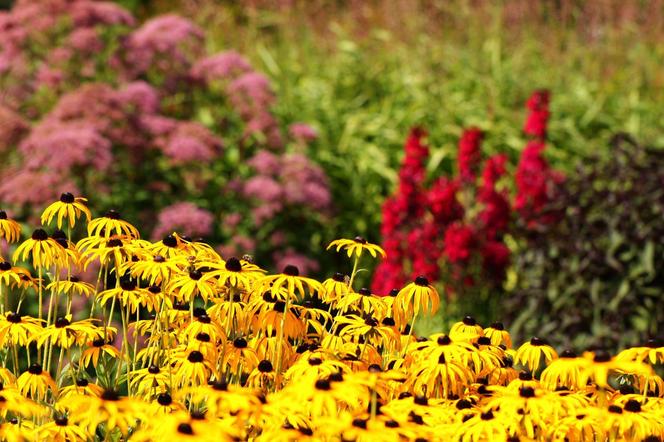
<point x="594" y="277"/>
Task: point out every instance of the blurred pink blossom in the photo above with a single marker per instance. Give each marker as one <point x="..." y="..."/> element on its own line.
<point x="221" y="66"/>
<point x="302" y="132"/>
<point x="185" y="218"/>
<point x="305" y="265"/>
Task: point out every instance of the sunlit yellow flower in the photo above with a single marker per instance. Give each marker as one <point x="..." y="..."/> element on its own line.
<point x="564" y="372"/>
<point x="531" y="353"/>
<point x="109" y="408"/>
<point x="111" y="224"/>
<point x="271" y="320"/>
<point x="362" y="301"/>
<point x="10" y="230"/>
<point x="368" y="329"/>
<point x="8" y="274"/>
<point x="442" y="379"/>
<point x="239" y="356"/>
<point x="45" y="251"/>
<point x="65" y="333"/>
<point x="356" y="246"/>
<point x="170" y="247"/>
<point x="116" y="250"/>
<point x="95" y="350"/>
<point x="149" y="381"/>
<point x="235" y="273"/>
<point x="68" y="207"/>
<point x="601" y="365"/>
<point x="61" y="430"/>
<point x="192" y="368"/>
<point x="467" y="330"/>
<point x="187" y="286"/>
<point x="262" y="376"/>
<point x="335" y="287"/>
<point x="18" y="330"/>
<point x="291" y="280"/>
<point x="158" y="269"/>
<point x="36" y="383"/>
<point x="415" y="297"/>
<point x="72" y="286"/>
<point x="129" y="295"/>
<point x="652" y="352"/>
<point x="498" y="335"/>
<point x="81" y="387"/>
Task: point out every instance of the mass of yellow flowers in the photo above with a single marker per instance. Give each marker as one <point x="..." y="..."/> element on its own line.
<point x="180" y="343"/>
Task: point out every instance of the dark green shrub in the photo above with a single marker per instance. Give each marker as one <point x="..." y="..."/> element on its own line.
<point x="595" y="276"/>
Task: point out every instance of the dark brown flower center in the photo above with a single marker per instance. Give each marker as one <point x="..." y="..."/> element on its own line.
<point x="195" y="357"/>
<point x="291" y="270"/>
<point x="39" y="235"/>
<point x="67" y="198"/>
<point x="233" y="265"/>
<point x="35" y="369"/>
<point x="265" y="366"/>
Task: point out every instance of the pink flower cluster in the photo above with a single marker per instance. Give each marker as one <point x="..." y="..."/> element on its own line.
<point x="167" y="45"/>
<point x="283" y="182"/>
<point x="249" y="92"/>
<point x="184" y="218"/>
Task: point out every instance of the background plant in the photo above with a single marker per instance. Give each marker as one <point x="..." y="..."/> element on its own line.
<point x="592" y="277"/>
<point x="95" y="103"/>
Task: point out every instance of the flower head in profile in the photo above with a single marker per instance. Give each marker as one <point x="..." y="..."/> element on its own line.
<point x="357" y="246"/>
<point x="9" y="229"/>
<point x="68" y="207"/>
<point x="45" y="251"/>
<point x="112" y="224"/>
<point x="291" y="280"/>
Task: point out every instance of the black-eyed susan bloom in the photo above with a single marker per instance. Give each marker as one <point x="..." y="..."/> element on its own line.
<point x="16" y="329"/>
<point x="291" y="280"/>
<point x="36" y="383"/>
<point x="192" y="368"/>
<point x="45" y="251"/>
<point x="111" y="224"/>
<point x="96" y="349"/>
<point x="65" y="333"/>
<point x="61" y="429"/>
<point x="535" y="352"/>
<point x="10" y="230"/>
<point x="418" y="296"/>
<point x="68" y="208"/>
<point x="357" y="246"/>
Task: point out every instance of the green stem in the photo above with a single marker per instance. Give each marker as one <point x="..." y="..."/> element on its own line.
<point x="280" y="341"/>
<point x="354" y="272"/>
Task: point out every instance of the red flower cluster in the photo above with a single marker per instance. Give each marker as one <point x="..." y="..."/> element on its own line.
<point x="423" y="225"/>
<point x="536" y="181"/>
<point x="538" y="117"/>
<point x="470" y="153"/>
<point x="458" y="224"/>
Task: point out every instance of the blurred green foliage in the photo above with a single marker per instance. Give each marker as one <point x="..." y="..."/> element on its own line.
<point x="363" y="92"/>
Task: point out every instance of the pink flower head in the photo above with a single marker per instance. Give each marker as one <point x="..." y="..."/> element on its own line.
<point x="305" y="265"/>
<point x="265" y="162"/>
<point x="185" y="218"/>
<point x="191" y="142"/>
<point x="302" y="132"/>
<point x="226" y="65"/>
